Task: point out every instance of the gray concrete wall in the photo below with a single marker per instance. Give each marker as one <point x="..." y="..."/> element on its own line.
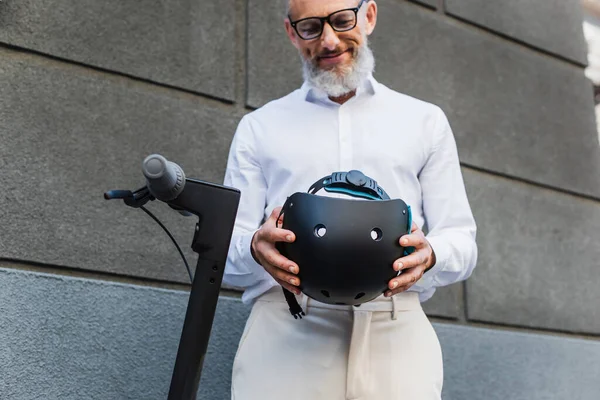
<point x="74" y="338"/>
<point x="87" y="89"/>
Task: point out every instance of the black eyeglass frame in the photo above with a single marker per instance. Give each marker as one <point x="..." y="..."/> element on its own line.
<point x="328" y="20"/>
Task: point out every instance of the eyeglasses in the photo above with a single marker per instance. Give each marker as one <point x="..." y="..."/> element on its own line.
<point x="340" y="21"/>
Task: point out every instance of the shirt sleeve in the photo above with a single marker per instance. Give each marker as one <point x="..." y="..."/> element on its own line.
<point x="243" y="172"/>
<point x="449" y="219"/>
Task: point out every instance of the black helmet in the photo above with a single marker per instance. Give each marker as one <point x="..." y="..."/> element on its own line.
<point x="344" y="247"/>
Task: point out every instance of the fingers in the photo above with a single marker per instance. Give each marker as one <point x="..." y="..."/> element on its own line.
<point x="272" y="235"/>
<point x="276" y="216"/>
<point x="275" y="213"/>
<point x="394" y="292"/>
<point x="418" y="258"/>
<point x="401" y="283"/>
<point x="285" y="279"/>
<point x="407" y="277"/>
<point x="279" y="267"/>
<point x="289" y="287"/>
<point x="269" y="255"/>
<point x="279" y="235"/>
<point x="412" y="266"/>
<point x="416" y="239"/>
<point x="414" y="227"/>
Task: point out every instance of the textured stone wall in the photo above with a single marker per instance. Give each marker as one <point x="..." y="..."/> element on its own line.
<point x="73" y="338"/>
<point x="88" y="89"/>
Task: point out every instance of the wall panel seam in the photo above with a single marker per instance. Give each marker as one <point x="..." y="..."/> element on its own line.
<point x="474" y="26"/>
<point x="213" y="99"/>
<point x="581" y="196"/>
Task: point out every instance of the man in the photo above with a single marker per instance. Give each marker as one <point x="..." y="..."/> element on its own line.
<point x="343" y="119"/>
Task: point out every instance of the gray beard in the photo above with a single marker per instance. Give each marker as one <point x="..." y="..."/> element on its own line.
<point x="336" y="82"/>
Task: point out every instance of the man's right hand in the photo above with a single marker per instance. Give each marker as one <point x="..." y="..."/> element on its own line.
<point x="283" y="270"/>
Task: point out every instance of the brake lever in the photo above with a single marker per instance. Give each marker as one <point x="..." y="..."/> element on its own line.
<point x="133" y="199"/>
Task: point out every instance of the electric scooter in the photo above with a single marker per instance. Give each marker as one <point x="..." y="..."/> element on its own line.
<point x="216" y="208"/>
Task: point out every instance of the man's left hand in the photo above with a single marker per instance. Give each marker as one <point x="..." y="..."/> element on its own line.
<point x="414" y="265"/>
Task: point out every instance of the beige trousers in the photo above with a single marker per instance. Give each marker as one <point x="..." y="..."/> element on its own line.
<point x="384" y="349"/>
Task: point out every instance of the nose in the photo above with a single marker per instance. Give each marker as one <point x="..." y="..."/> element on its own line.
<point x="329" y="38"/>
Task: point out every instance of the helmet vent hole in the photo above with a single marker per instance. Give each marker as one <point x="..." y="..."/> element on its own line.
<point x="320" y="230"/>
<point x="358" y="296"/>
<point x="325" y="293"/>
<point x="376" y="234"/>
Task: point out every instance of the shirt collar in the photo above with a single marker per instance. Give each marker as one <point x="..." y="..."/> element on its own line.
<point x="313" y="95"/>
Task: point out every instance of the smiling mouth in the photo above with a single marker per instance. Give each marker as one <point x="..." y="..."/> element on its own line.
<point x="328" y="56"/>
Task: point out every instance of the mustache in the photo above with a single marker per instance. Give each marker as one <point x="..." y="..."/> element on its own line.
<point x="329" y="53"/>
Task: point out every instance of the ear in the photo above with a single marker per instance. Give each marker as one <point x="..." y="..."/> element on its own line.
<point x="289" y="29"/>
<point x="371" y="17"/>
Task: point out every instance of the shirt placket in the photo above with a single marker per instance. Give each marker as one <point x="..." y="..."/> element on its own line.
<point x="345" y="138"/>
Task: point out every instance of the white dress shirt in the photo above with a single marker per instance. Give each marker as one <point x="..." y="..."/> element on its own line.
<point x="405" y="144"/>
